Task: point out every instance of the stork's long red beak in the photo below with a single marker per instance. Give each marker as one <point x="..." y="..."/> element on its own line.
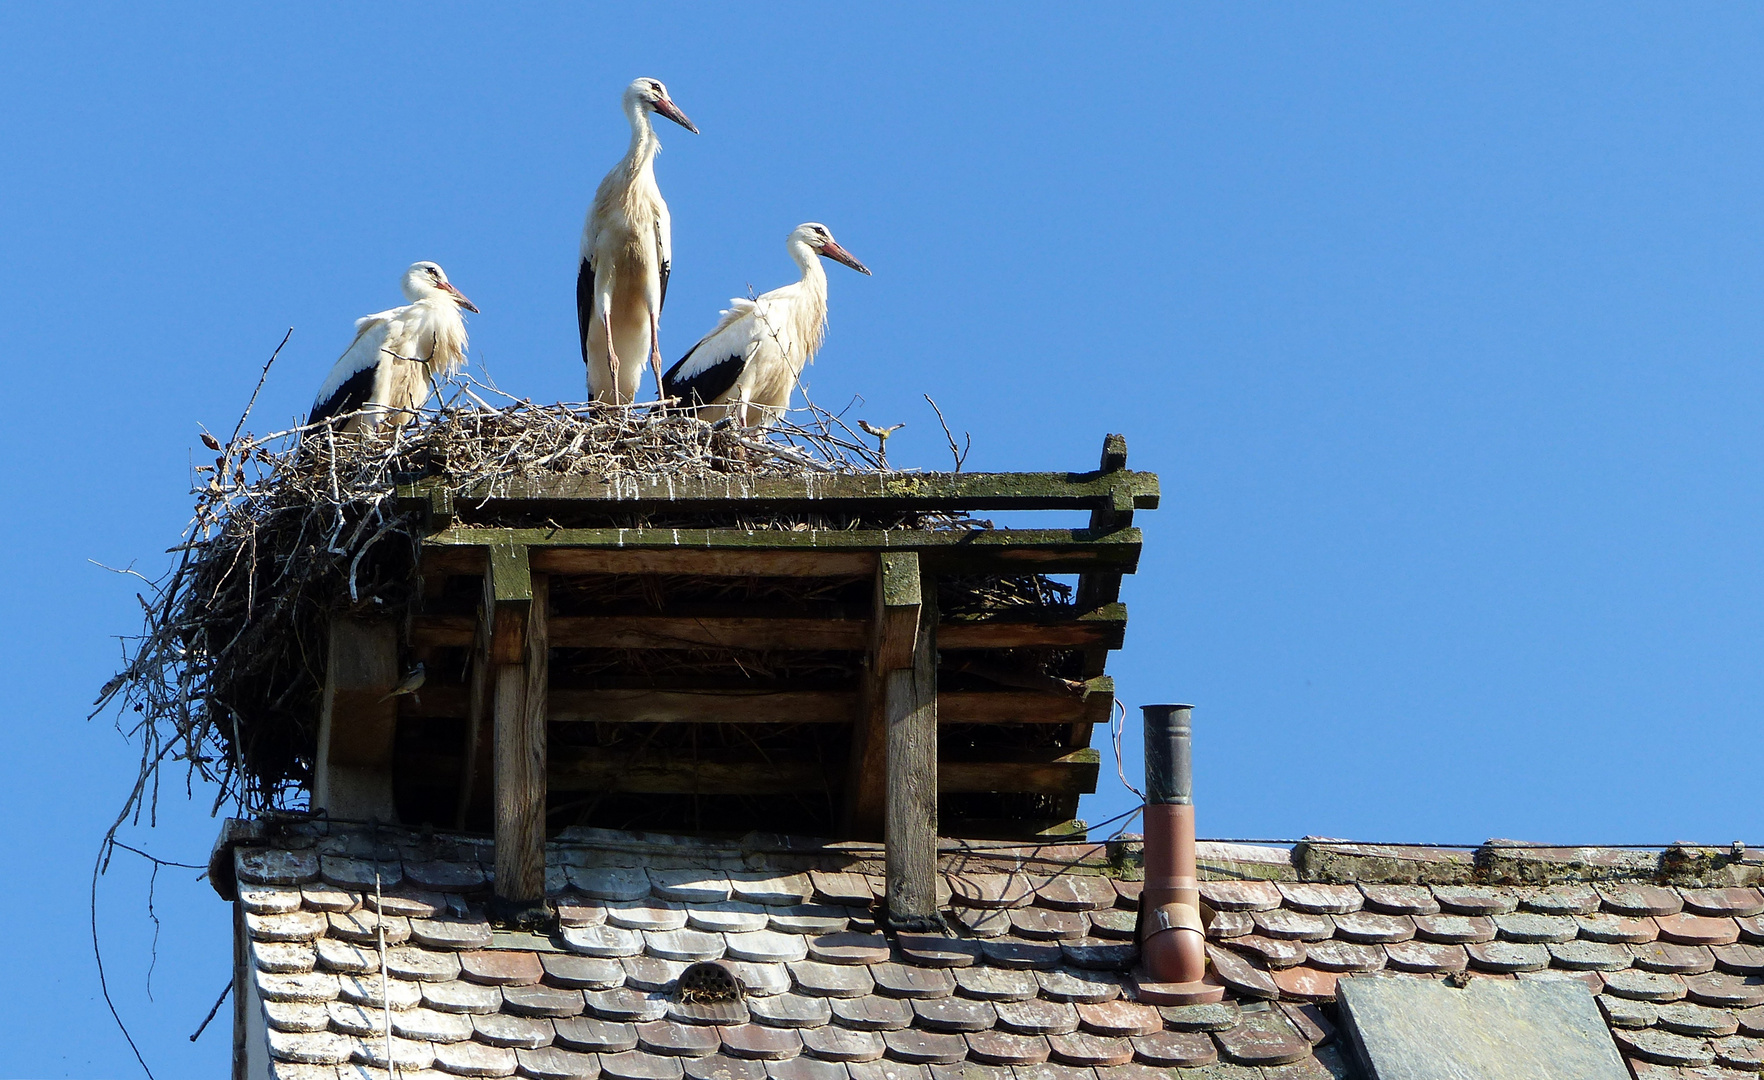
<point x="832" y="250"/>
<point x="459" y="297"/>
<point x="672" y="111"/>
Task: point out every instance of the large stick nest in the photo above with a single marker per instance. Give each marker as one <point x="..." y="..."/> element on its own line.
<point x="297" y="526"/>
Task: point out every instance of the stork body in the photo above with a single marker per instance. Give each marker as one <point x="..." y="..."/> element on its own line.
<point x="748" y="365"/>
<point x="388" y="370"/>
<point x="627" y="252"/>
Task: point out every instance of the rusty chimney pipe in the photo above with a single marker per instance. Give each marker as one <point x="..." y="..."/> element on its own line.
<point x="1172" y="936"/>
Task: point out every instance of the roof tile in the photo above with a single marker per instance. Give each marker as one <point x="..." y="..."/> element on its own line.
<point x="1474" y="900"/>
<point x="1627" y="1013"/>
<point x="843" y="1044"/>
<point x="900" y="1070"/>
<point x="925" y="1047"/>
<point x="320" y="897"/>
<point x="1264" y="1038"/>
<point x="450" y="933"/>
<point x="421" y="965"/>
<point x="626" y="1004"/>
<point x="1127" y="893"/>
<point x="729" y="917"/>
<point x="1641" y="985"/>
<point x="1321" y="899"/>
<point x="546" y="1001"/>
<point x="311" y="986"/>
<point x="1739" y="959"/>
<point x="460" y="996"/>
<point x="1454" y="929"/>
<point x="1240" y="975"/>
<point x="724" y="1067"/>
<point x="1677" y="959"/>
<point x="590" y="1033"/>
<point x="1348" y="956"/>
<point x="1696" y="1020"/>
<point x="791" y="1010"/>
<point x="1604" y="926"/>
<point x="341" y="956"/>
<point x="365" y="927"/>
<point x="1240" y="895"/>
<point x="804" y="1067"/>
<point x="1372" y="928"/>
<point x="353" y="1019"/>
<point x="841" y="889"/>
<point x="762" y="980"/>
<point x="1084" y="1049"/>
<point x="1426" y="958"/>
<point x="1697" y="929"/>
<point x="270" y="899"/>
<point x="1590" y="955"/>
<point x="1563" y="899"/>
<point x="645" y="913"/>
<point x="872" y="1013"/>
<point x="1047" y="924"/>
<point x="1638" y="900"/>
<point x="475" y="1059"/>
<point x="1751" y="1021"/>
<point x="766" y="946"/>
<point x="581" y="972"/>
<point x="1272" y="952"/>
<point x="900" y="980"/>
<point x="1739" y="1052"/>
<point x="1079" y="986"/>
<point x="954" y="1014"/>
<point x="607" y="942"/>
<point x="1119" y="1017"/>
<point x="1175" y="1049"/>
<point x="691" y="886"/>
<point x="640" y="1065"/>
<point x="935" y="950"/>
<point x="816" y="919"/>
<point x="1217" y="1016"/>
<point x="996" y="984"/>
<point x="411" y="1056"/>
<point x="1725" y="991"/>
<point x="849" y="947"/>
<point x="1076" y="892"/>
<point x="1017" y="953"/>
<point x="283" y="957"/>
<point x="1094" y="954"/>
<point x="1037" y="1016"/>
<point x="1050" y="1070"/>
<point x="1508" y="956"/>
<point x="1665" y="1048"/>
<point x="1531" y="927"/>
<point x="285" y="926"/>
<point x="760" y="1042"/>
<point x="498" y="967"/>
<point x="674" y="1039"/>
<point x="1737" y="902"/>
<point x="1224" y="924"/>
<point x="373" y="990"/>
<point x="650" y="972"/>
<point x="272" y="867"/>
<point x="555" y="1063"/>
<point x="983" y="922"/>
<point x="310" y="1048"/>
<point x="1294" y="925"/>
<point x="988" y="890"/>
<point x="776" y="890"/>
<point x="430" y="1025"/>
<point x="610" y="882"/>
<point x="446" y="876"/>
<point x="1306" y="983"/>
<point x="1400" y="899"/>
<point x="690" y="945"/>
<point x="1005" y="1048"/>
<point x="832" y="980"/>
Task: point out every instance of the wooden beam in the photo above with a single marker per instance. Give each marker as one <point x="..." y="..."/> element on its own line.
<point x="1044" y="773"/>
<point x="1014" y="628"/>
<point x="893" y="640"/>
<point x="479" y="703"/>
<point x="736" y="706"/>
<point x="707" y="707"/>
<point x="716" y="562"/>
<point x="514" y="609"/>
<point x="910" y="830"/>
<point x="357" y="721"/>
<point x="863" y="492"/>
<point x="1052" y="551"/>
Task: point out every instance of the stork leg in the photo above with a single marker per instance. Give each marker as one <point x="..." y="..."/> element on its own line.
<point x="655" y="360"/>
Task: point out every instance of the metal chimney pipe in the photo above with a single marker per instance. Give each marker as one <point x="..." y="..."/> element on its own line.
<point x="1173" y="937"/>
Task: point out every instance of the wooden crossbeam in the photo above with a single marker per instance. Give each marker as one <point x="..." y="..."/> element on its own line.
<point x="1050" y="551"/>
<point x="1020" y="628"/>
<point x="572" y="770"/>
<point x="784" y="706"/>
<point x="865" y="493"/>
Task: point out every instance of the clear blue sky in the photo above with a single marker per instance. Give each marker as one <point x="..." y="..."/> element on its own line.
<point x="1442" y="327"/>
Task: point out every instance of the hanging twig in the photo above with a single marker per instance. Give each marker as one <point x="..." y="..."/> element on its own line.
<point x="959" y="455"/>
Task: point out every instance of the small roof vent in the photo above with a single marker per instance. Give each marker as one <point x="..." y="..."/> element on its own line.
<point x="709" y="983"/>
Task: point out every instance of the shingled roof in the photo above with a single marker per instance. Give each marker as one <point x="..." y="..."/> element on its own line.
<point x="1034" y="983"/>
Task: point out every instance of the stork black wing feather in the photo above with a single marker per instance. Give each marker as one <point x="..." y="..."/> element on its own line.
<point x="585" y="304"/>
<point x="351" y="395"/>
<point x="705" y="385"/>
<point x="667" y="267"/>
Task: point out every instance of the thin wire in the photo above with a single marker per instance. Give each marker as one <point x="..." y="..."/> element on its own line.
<point x="1117" y="725"/>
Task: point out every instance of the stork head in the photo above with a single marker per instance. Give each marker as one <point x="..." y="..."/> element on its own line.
<point x="652" y="95"/>
<point x="426" y="280"/>
<point x="816" y="237"/>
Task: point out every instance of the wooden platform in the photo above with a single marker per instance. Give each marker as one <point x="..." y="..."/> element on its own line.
<point x="645" y="654"/>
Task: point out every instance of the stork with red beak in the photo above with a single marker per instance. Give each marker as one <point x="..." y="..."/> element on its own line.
<point x="388" y="371"/>
<point x="627" y="251"/>
<point x="750" y="362"/>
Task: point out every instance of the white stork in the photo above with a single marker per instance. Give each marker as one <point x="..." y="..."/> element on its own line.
<point x="627" y="251"/>
<point x="750" y="362"/>
<point x="389" y="367"/>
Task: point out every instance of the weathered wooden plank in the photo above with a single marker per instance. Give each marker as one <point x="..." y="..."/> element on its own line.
<point x="721" y="562"/>
<point x="893" y="640"/>
<point x="733" y="706"/>
<point x="706" y="707"/>
<point x="870" y="492"/>
<point x="1059" y="773"/>
<point x="909" y="696"/>
<point x="520" y="731"/>
<point x="480" y="685"/>
<point x="1009" y="629"/>
<point x="1004" y="550"/>
<point x="508" y="600"/>
<point x="358" y="721"/>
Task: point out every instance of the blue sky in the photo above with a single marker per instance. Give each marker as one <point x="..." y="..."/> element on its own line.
<point x="1441" y="327"/>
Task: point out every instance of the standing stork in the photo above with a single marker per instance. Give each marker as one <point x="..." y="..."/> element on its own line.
<point x="750" y="362"/>
<point x="390" y="366"/>
<point x="627" y="251"/>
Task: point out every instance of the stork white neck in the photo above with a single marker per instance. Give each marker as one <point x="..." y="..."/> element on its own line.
<point x="814" y="275"/>
<point x="644" y="144"/>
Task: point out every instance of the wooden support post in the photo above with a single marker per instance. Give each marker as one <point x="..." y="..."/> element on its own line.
<point x="1097" y="588"/>
<point x="894" y="635"/>
<point x="357" y="722"/>
<point x="910" y="705"/>
<point x="514" y="611"/>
